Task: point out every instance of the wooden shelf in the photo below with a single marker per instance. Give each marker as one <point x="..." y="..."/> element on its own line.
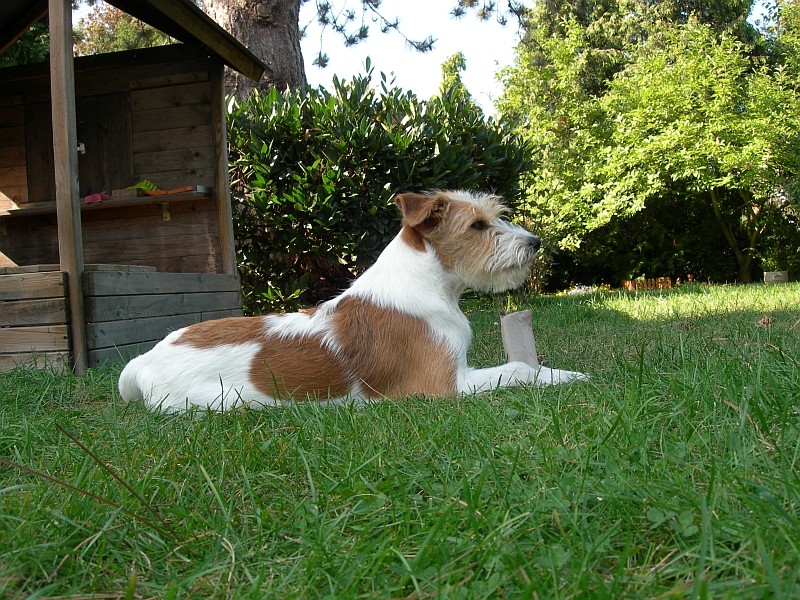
<point x="44" y="208"/>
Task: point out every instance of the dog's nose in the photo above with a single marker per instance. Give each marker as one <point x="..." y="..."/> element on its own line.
<point x="535" y="243"/>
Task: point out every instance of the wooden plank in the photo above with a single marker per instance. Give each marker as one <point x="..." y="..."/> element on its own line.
<point x="172" y="139"/>
<point x="65" y="161"/>
<point x="39" y="148"/>
<point x="12" y="156"/>
<point x="158" y="249"/>
<point x="88" y="267"/>
<point x="13" y="197"/>
<point x="120" y="268"/>
<point x="47" y="208"/>
<point x="12" y="136"/>
<point x="104" y="127"/>
<point x="16" y="176"/>
<point x="45" y="338"/>
<point x="58" y="361"/>
<point x="130" y="235"/>
<point x="33" y="255"/>
<point x="146" y="229"/>
<point x="43" y="268"/>
<point x="227" y="241"/>
<point x="174" y="160"/>
<point x="119" y="353"/>
<point x="113" y="72"/>
<point x="171" y="96"/>
<point x="133" y="331"/>
<point x="29" y="286"/>
<point x="47" y="311"/>
<point x="150" y="211"/>
<point x="115" y="308"/>
<point x="146" y="70"/>
<point x="16" y="244"/>
<point x="174" y="78"/>
<point x="12" y="100"/>
<point x="174" y="179"/>
<point x="11" y="116"/>
<point x="179" y="116"/>
<point x="116" y="283"/>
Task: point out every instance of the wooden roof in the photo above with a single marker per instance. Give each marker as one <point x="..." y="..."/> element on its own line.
<point x="180" y="19"/>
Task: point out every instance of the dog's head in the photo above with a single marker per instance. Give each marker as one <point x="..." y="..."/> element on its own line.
<point x="470" y="237"/>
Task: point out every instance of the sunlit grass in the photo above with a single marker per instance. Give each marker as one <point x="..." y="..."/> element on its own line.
<point x="673" y="472"/>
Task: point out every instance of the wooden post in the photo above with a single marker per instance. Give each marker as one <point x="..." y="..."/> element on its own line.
<point x="222" y="188"/>
<point x="65" y="160"/>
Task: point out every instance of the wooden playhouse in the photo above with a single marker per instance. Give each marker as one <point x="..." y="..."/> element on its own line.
<point x="91" y="271"/>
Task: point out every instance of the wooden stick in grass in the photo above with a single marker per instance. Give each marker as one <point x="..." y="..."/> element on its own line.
<point x="518" y="340"/>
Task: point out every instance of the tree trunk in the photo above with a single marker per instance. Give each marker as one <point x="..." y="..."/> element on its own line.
<point x="744" y="259"/>
<point x="270" y="30"/>
<point x="745" y="268"/>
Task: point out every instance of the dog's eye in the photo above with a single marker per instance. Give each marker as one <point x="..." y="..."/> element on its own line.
<point x="479" y="225"/>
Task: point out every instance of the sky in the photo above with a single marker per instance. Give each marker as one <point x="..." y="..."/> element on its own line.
<point x="487" y="47"/>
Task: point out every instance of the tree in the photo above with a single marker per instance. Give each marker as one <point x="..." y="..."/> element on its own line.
<point x="548" y="95"/>
<point x="690" y="116"/>
<point x="270" y="29"/>
<point x="109" y="29"/>
<point x="451" y="79"/>
<point x="628" y="104"/>
<point x="32" y="47"/>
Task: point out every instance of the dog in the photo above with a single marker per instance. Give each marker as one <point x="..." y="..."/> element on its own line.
<point x="397" y="331"/>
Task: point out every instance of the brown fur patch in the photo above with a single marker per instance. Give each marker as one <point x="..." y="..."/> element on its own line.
<point x="283" y="368"/>
<point x="447" y="225"/>
<point x="412" y="238"/>
<point x="421" y="213"/>
<point x="231" y="330"/>
<point x="456" y="241"/>
<point x="422" y="210"/>
<point x="298" y="368"/>
<point x="392" y="353"/>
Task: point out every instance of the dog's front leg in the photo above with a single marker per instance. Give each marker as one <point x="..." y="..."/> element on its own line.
<point x="473" y="381"/>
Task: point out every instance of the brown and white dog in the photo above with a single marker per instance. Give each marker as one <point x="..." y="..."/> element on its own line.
<point x="396" y="331"/>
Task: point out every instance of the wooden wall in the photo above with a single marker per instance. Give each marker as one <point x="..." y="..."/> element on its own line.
<point x="145" y="114"/>
<point x="13" y="164"/>
<point x="128" y="313"/>
<point x="33" y="320"/>
<point x="133" y="235"/>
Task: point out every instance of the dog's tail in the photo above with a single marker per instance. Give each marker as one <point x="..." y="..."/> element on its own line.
<point x="129" y="387"/>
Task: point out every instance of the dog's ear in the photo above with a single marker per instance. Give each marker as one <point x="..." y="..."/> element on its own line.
<point x="422" y="210"/>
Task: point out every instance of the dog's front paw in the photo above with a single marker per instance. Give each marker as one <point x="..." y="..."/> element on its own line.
<point x="546" y="376"/>
<point x="519" y="373"/>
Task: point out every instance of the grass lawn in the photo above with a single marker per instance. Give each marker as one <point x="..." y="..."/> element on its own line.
<point x="674" y="472"/>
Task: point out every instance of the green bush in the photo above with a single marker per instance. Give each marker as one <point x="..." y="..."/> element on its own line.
<point x="314" y="175"/>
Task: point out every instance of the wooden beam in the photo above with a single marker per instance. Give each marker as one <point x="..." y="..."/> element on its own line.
<point x="65" y="154"/>
<point x="185" y="21"/>
<point x="203" y="28"/>
<point x="222" y="186"/>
